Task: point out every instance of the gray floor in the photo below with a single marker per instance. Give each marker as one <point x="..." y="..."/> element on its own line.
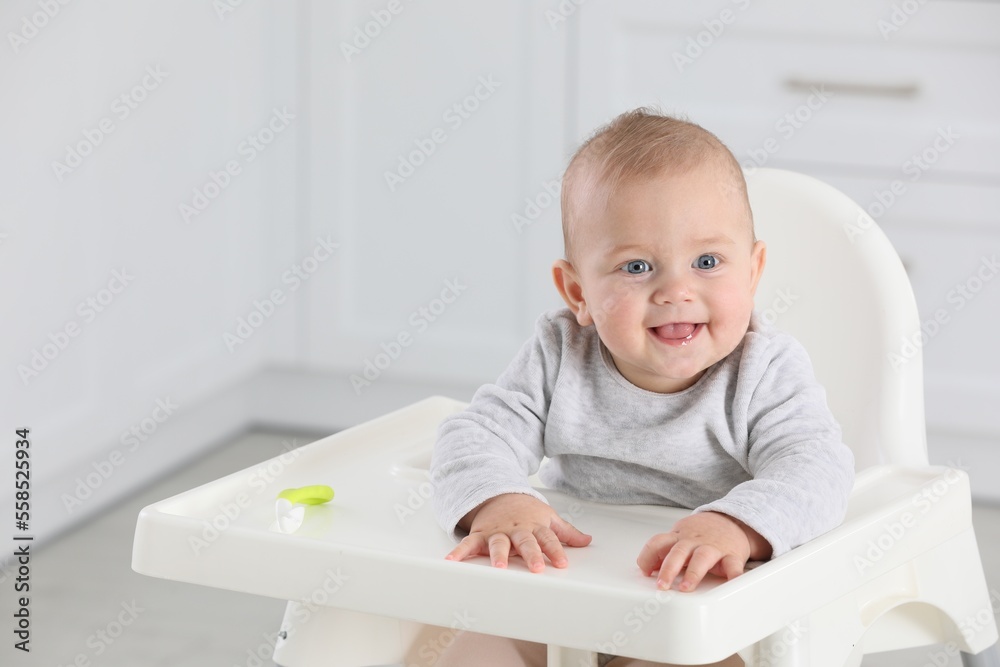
<point x="83" y="583"/>
<point x="82" y="580"/>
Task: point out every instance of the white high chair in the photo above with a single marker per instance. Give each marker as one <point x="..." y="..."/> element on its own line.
<point x="369" y="585"/>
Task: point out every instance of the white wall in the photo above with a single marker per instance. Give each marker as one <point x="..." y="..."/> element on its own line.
<point x="66" y="234"/>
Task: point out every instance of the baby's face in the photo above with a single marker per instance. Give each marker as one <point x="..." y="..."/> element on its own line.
<point x="667" y="275"/>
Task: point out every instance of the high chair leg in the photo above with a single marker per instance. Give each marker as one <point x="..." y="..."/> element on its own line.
<point x="317" y="636"/>
<point x="789" y="647"/>
<point x="559" y="656"/>
<point x="988" y="658"/>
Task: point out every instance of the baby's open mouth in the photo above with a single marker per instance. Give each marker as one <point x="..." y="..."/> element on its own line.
<point x="677" y="333"/>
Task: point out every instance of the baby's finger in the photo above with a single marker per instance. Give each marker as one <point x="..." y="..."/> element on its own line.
<point x="673" y="563"/>
<point x="551" y="547"/>
<point x="499" y="545"/>
<point x="702" y="559"/>
<point x="653" y="552"/>
<point x="527" y="548"/>
<point x="568" y="533"/>
<point x="732" y="566"/>
<point x="471" y="545"/>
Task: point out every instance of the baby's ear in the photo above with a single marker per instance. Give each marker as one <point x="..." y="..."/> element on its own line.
<point x="758" y="259"/>
<point x="571" y="290"/>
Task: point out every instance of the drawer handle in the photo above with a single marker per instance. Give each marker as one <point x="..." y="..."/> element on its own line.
<point x="904" y="90"/>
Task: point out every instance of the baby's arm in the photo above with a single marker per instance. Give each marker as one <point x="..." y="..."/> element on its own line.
<point x="707" y="542"/>
<point x="802" y="475"/>
<point x="518" y="523"/>
<point x="485" y="454"/>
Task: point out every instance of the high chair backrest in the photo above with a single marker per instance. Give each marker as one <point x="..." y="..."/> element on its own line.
<point x="834" y="281"/>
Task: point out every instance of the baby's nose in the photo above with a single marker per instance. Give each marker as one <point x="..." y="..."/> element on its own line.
<point x="672" y="287"/>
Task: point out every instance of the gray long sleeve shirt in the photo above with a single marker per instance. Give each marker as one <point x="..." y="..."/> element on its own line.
<point x="753" y="438"/>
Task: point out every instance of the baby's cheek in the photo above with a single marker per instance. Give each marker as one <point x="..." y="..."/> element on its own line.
<point x="732" y="316"/>
<point x="612" y="306"/>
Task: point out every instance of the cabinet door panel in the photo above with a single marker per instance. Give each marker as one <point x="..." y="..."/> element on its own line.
<point x="421" y="152"/>
<point x="862" y="105"/>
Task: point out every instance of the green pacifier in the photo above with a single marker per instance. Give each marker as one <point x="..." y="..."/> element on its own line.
<point x="317" y="494"/>
<point x="289" y="507"/>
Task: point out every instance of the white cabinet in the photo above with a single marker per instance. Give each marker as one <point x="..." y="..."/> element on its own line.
<point x="427" y="135"/>
<point x="898" y="110"/>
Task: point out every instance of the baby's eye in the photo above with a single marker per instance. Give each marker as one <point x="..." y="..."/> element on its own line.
<point x="706" y="262"/>
<point x="637" y="267"/>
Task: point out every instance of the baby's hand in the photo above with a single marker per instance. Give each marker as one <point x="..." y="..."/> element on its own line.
<point x="520" y="523"/>
<point x="704" y="542"/>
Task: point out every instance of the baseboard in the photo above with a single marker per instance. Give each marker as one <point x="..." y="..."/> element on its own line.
<point x="327" y="402"/>
<point x="963" y="430"/>
<point x="289" y="398"/>
<point x="68" y="499"/>
<point x="81" y="490"/>
<point x="977" y="455"/>
<point x="276" y="399"/>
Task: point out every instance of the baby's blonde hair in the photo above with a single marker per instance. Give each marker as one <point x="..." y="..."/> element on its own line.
<point x="637" y="144"/>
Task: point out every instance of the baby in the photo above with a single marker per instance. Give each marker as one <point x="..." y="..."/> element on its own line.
<point x="656" y="385"/>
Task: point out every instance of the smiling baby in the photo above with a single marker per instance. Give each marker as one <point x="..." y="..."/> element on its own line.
<point x="658" y="384"/>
